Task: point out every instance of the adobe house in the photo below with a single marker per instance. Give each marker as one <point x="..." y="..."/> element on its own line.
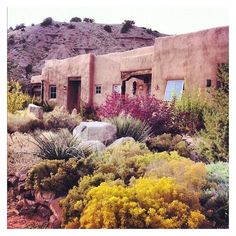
<point x="173" y="63"/>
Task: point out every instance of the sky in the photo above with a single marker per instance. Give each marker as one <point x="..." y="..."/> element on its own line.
<point x="169" y="20"/>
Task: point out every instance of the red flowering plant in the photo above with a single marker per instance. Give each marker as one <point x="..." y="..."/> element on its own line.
<point x="155" y="112"/>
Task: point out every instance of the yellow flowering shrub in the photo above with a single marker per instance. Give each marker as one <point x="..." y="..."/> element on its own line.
<point x="146" y="203"/>
<point x="16" y="99"/>
<point x="73" y="204"/>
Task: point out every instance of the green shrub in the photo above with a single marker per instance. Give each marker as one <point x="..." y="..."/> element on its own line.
<point x="20" y="26"/>
<point x="164" y="142"/>
<point x="188" y="112"/>
<point x="128" y="126"/>
<point x="59" y="118"/>
<point x="107" y="28"/>
<point x="57" y="176"/>
<point x="23" y="121"/>
<point x="71" y="26"/>
<point x="46" y="22"/>
<point x="215" y="195"/>
<point x="127" y="25"/>
<point x="120" y="161"/>
<point x="75" y="19"/>
<point x="73" y="204"/>
<point x="60" y="145"/>
<point x="147" y="203"/>
<point x="88" y="20"/>
<point x="46" y="106"/>
<point x="214" y="143"/>
<point x="169" y="142"/>
<point x="88" y="112"/>
<point x="16" y="99"/>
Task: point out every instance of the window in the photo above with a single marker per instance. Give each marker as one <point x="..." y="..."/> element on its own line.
<point x="134" y="87"/>
<point x="53" y="91"/>
<point x="208" y="84"/>
<point x="98" y="89"/>
<point x="173" y="88"/>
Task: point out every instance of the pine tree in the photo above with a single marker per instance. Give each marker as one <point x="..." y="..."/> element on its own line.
<point x="215" y="137"/>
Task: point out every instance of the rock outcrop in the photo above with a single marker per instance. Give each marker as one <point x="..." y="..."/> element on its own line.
<point x="29" y="47"/>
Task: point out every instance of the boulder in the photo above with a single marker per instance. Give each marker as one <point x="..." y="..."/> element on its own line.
<point x="94" y="145"/>
<point x="120" y="141"/>
<point x="44" y="211"/>
<point x="101" y="131"/>
<point x="44" y="197"/>
<point x="56" y="209"/>
<point x="26" y="207"/>
<point x="12" y="181"/>
<point x="54" y="223"/>
<point x="36" y="110"/>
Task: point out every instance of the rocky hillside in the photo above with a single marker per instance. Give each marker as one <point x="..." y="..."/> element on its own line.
<point x="29" y="47"/>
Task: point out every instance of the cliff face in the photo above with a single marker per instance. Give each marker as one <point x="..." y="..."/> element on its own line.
<point x="29" y="47"/>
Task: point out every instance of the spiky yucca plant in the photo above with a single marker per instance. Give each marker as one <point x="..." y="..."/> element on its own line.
<point x="128" y="126"/>
<point x="60" y="145"/>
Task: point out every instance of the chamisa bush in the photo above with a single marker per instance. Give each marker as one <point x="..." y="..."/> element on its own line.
<point x="215" y="194"/>
<point x="146" y="203"/>
<point x="214" y="143"/>
<point x="128" y="126"/>
<point x="60" y="145"/>
<point x="73" y="204"/>
<point x="60" y="118"/>
<point x="120" y="160"/>
<point x="147" y="109"/>
<point x="57" y="176"/>
<point x="23" y="121"/>
<point x="16" y="99"/>
<point x="185" y="172"/>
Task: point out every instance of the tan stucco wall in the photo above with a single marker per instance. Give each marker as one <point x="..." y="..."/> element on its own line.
<point x="57" y="72"/>
<point x="193" y="57"/>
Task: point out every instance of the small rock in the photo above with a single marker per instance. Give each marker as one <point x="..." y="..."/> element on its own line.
<point x="26" y="207"/>
<point x="121" y="141"/>
<point x="22" y="177"/>
<point x="44" y="211"/>
<point x="56" y="209"/>
<point x="21" y="187"/>
<point x="74" y="112"/>
<point x="54" y="223"/>
<point x="44" y="197"/>
<point x="12" y="181"/>
<point x="36" y="110"/>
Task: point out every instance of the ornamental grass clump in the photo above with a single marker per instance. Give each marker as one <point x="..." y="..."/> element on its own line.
<point x="127" y="126"/>
<point x="60" y="145"/>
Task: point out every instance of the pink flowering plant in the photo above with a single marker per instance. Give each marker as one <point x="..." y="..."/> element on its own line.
<point x="155" y="112"/>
